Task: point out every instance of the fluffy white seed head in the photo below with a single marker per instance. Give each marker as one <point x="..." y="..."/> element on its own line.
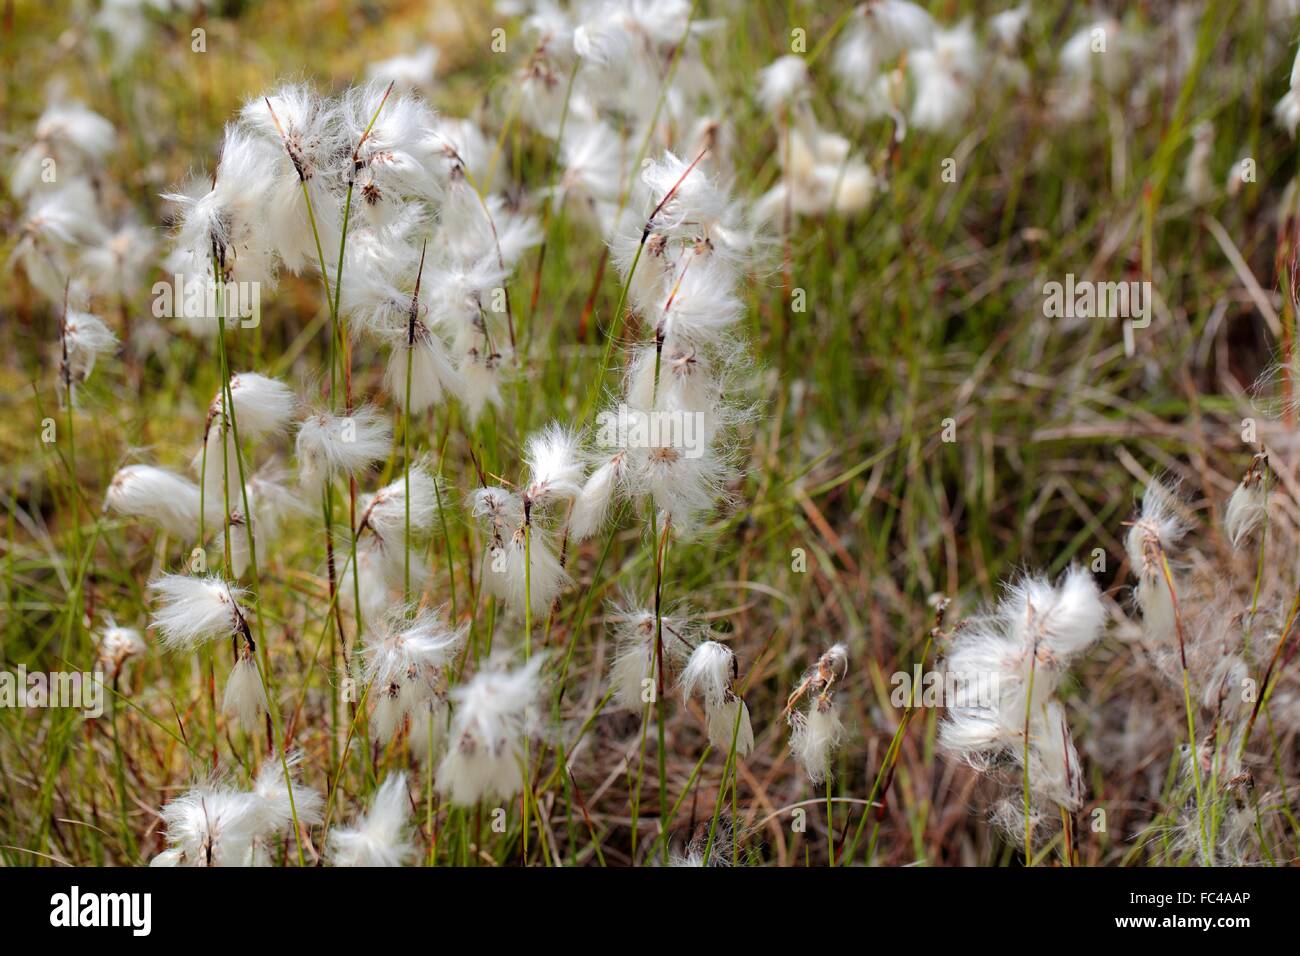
<point x="432" y="371"/>
<point x="1056" y="622"/>
<point x="729" y="721"/>
<point x="877" y="33"/>
<point x="814" y="737"/>
<point x="263" y="406"/>
<point x="379" y="837"/>
<point x="210" y="825"/>
<point x="85" y="339"/>
<point x="636" y="659"/>
<point x="303" y="144"/>
<point x="245" y="698"/>
<point x="271" y="792"/>
<point x="709" y="671"/>
<point x="155" y="494"/>
<point x="783" y="82"/>
<point x="1156" y="531"/>
<point x="330" y="445"/>
<point x="554" y="465"/>
<point x="591" y="506"/>
<point x="1149" y="543"/>
<point x="192" y="611"/>
<point x="1248" y="506"/>
<point x="513" y="577"/>
<point x="385" y="512"/>
<point x="406" y="647"/>
<point x="223" y="222"/>
<point x="494" y="713"/>
<point x="114" y="646"/>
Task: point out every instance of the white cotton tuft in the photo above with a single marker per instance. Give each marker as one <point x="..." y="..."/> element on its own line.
<point x="210" y="825"/>
<point x="377" y="573"/>
<point x="379" y="837"/>
<point x="427" y="731"/>
<point x="729" y="722"/>
<point x="782" y="82"/>
<point x="142" y="491"/>
<point x="480" y="376"/>
<point x="1006" y="26"/>
<point x="591" y="506"/>
<point x="74" y="136"/>
<point x="877" y="33"/>
<point x="1151" y="538"/>
<point x="275" y="806"/>
<point x="1054" y="771"/>
<point x="304" y="151"/>
<point x="494" y="715"/>
<point x="385" y="512"/>
<point x="224" y="222"/>
<point x="114" y="646"/>
<point x="684" y="484"/>
<point x="1287" y="110"/>
<point x="431" y="367"/>
<point x="946" y="74"/>
<point x="634" y="670"/>
<point x="245" y="698"/>
<point x="554" y="467"/>
<point x="685" y="195"/>
<point x="192" y="611"/>
<point x="406" y="646"/>
<point x="709" y="670"/>
<point x="533" y="571"/>
<point x="1198" y="180"/>
<point x="217" y="464"/>
<point x="263" y="406"/>
<point x="700" y="306"/>
<point x="85" y="339"/>
<point x="330" y="445"/>
<point x="1062" y="621"/>
<point x="1157" y="529"/>
<point x="820" y="174"/>
<point x="996" y="660"/>
<point x="814" y="737"/>
<point x="389" y="714"/>
<point x="1247" y="509"/>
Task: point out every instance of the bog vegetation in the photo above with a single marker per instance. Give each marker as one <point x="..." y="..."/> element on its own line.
<point x="552" y="433"/>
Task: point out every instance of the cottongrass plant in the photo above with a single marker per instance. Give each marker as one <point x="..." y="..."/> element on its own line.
<point x="1216" y="632"/>
<point x="816" y="733"/>
<point x="1006" y="666"/>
